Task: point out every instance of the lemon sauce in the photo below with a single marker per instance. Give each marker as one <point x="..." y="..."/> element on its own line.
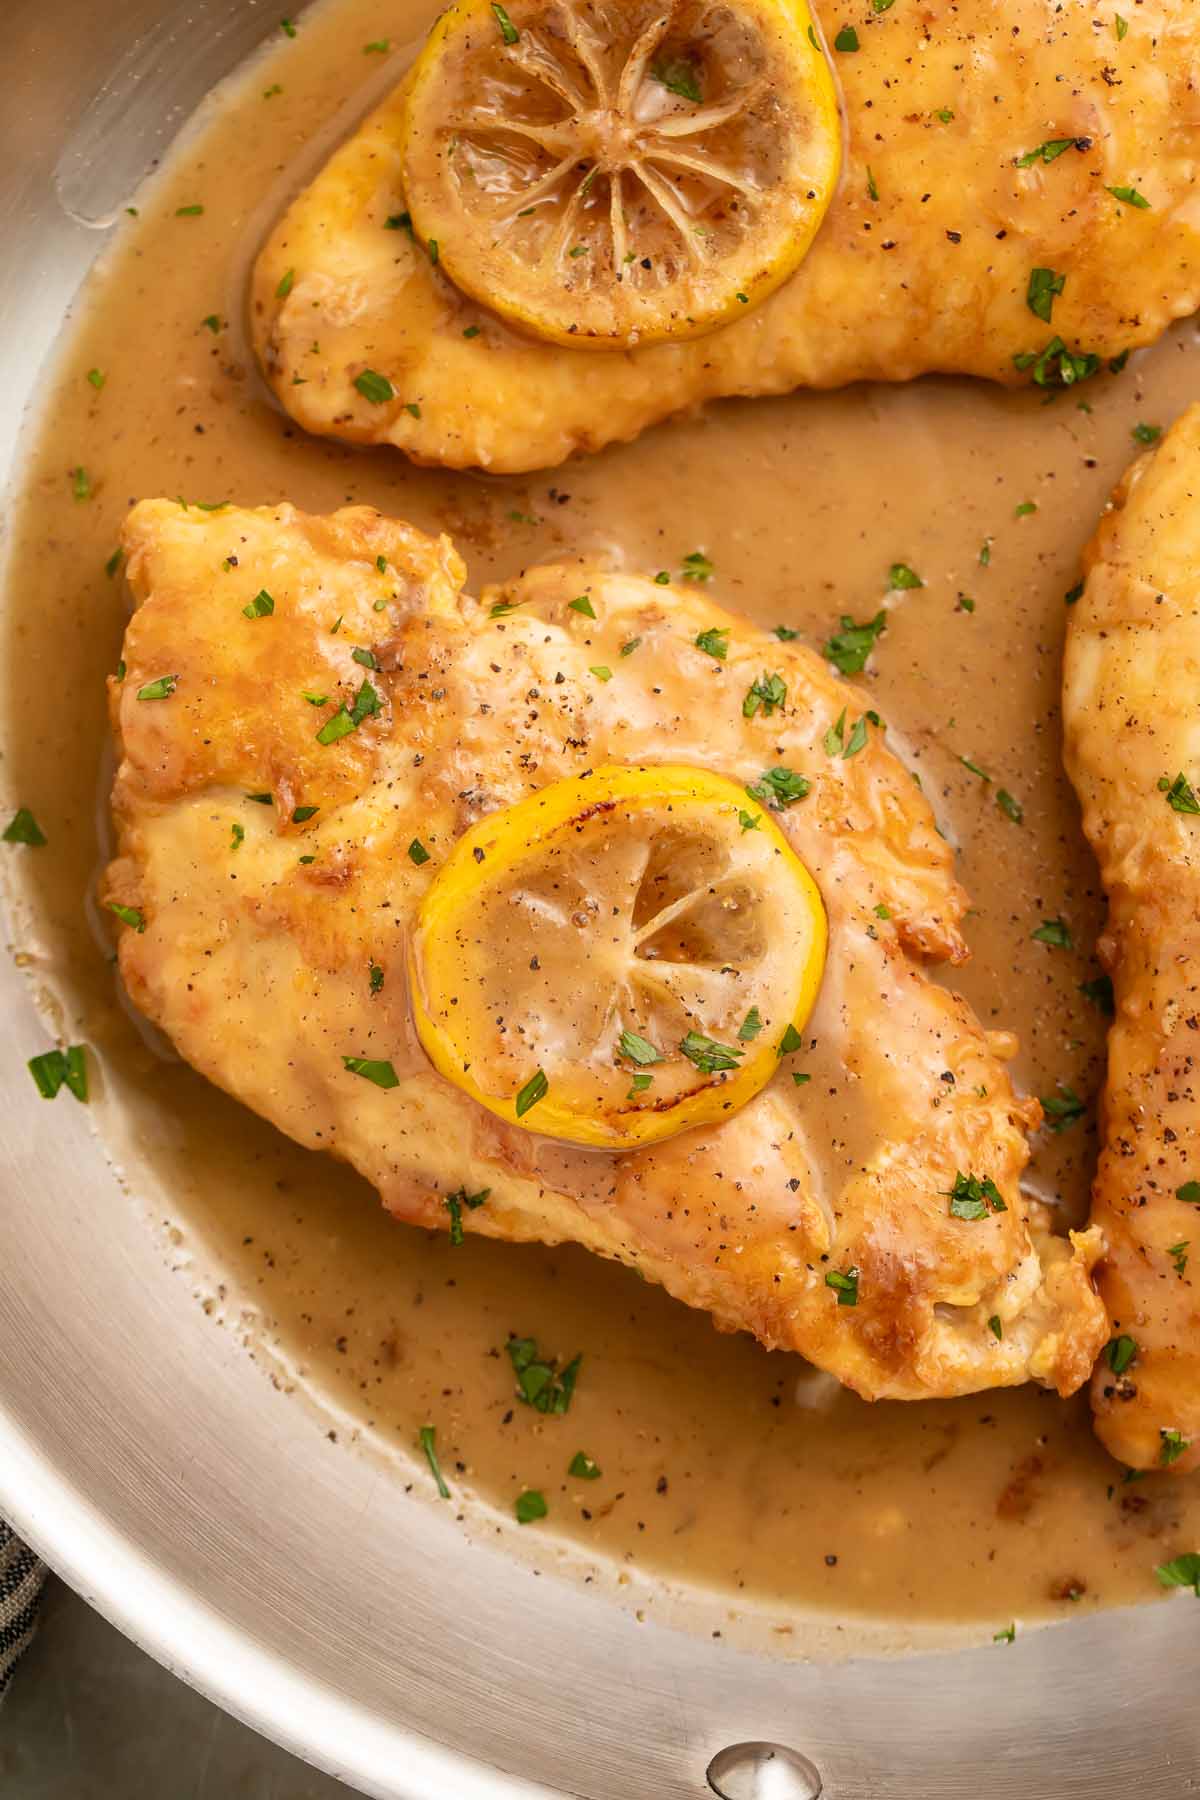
<point x="739" y="1477"/>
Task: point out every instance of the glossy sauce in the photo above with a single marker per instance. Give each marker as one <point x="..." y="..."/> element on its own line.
<point x="747" y="1481"/>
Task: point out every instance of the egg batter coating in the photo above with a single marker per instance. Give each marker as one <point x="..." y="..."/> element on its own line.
<point x="268" y="860"/>
<point x="1132" y="721"/>
<point x="1019" y="175"/>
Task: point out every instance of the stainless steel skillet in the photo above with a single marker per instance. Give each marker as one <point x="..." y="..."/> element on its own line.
<point x="163" y="1476"/>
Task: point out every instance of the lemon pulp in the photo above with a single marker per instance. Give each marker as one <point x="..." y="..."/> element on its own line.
<point x="618" y="956"/>
<point x="613" y="172"/>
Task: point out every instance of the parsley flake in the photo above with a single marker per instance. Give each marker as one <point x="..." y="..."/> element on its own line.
<point x="427" y="1437"/>
<point x="845" y="1286"/>
<point x="530" y="1505"/>
<point x="972" y="1197"/>
<point x="23" y="828"/>
<point x="709" y="1057"/>
<point x="1062" y="1109"/>
<point x="381" y="1073"/>
<point x="540" y="1382"/>
<point x="638" y="1049"/>
<point x="850" y="648"/>
<point x="1044" y="286"/>
<point x="535" y="1089"/>
<point x="768" y="693"/>
<point x="55" y="1069"/>
<point x="374" y="387"/>
<point x="1055" y="932"/>
<point x="714" y="642"/>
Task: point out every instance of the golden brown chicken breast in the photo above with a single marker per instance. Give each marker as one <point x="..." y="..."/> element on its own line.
<point x="1132" y="721"/>
<point x="1017" y="202"/>
<point x="319" y="731"/>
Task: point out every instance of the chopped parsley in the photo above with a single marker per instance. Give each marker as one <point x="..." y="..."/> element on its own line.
<point x="1007" y="1636"/>
<point x="540" y="1382"/>
<point x="1098" y="990"/>
<point x="1055" y="932"/>
<point x="837" y="744"/>
<point x="534" y="1090"/>
<point x="508" y="30"/>
<point x="1073" y="594"/>
<point x="379" y="47"/>
<point x="238" y="836"/>
<point x="1181" y="797"/>
<point x="213" y="322"/>
<point x="1024" y="508"/>
<point x="364" y="657"/>
<point x="996" y="1327"/>
<point x="972" y="1197"/>
<point x="750" y="1026"/>
<point x="696" y="567"/>
<point x="286" y="282"/>
<point x="583" y="1468"/>
<point x="779" y="788"/>
<point x="714" y="642"/>
<point x="302" y="814"/>
<point x="287" y="28"/>
<point x="768" y="693"/>
<point x="785" y="634"/>
<point x="709" y="1057"/>
<point x="1012" y="809"/>
<point x="348" y="719"/>
<point x="1179" y="1256"/>
<point x="900" y="576"/>
<point x="1189" y="1193"/>
<point x="872" y="184"/>
<point x="1171" y="1446"/>
<point x="530" y="1505"/>
<point x="749" y="821"/>
<point x="582" y="604"/>
<point x="81" y="483"/>
<point x="23" y="828"/>
<point x="1147" y="434"/>
<point x="1119" y="1352"/>
<point x="845" y="1286"/>
<point x="1044" y="286"/>
<point x="627" y="649"/>
<point x="1129" y="196"/>
<point x="159" y="689"/>
<point x="188" y="212"/>
<point x="418" y="852"/>
<point x="128" y="915"/>
<point x="1182" y="1572"/>
<point x="428" y="1441"/>
<point x="114" y="562"/>
<point x="601" y="671"/>
<point x="849" y="648"/>
<point x="1051" y="150"/>
<point x="680" y="77"/>
<point x="97" y="378"/>
<point x="1062" y="1109"/>
<point x="261" y="607"/>
<point x="638" y="1049"/>
<point x="455" y="1202"/>
<point x="381" y="1073"/>
<point x="374" y="387"/>
<point x="55" y="1069"/>
<point x="791" y="1040"/>
<point x="1056" y="366"/>
<point x="846" y="40"/>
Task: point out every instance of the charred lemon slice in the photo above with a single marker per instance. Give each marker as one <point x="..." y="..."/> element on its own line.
<point x="615" y="172"/>
<point x="618" y="956"/>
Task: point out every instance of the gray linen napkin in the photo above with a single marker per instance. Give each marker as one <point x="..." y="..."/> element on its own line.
<point x="21" y="1578"/>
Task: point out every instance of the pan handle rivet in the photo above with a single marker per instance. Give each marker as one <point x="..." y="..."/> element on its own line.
<point x="763" y="1772"/>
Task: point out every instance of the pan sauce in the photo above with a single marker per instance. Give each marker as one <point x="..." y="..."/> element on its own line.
<point x="723" y="1468"/>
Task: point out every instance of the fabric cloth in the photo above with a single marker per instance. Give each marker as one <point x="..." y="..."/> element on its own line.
<point x="21" y="1578"/>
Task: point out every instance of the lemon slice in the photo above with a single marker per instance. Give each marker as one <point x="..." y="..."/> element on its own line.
<point x="607" y="174"/>
<point x="618" y="956"/>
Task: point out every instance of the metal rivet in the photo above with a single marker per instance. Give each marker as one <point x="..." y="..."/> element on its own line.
<point x="763" y="1772"/>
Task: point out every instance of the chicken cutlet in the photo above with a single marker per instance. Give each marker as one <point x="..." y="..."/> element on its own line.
<point x="319" y="732"/>
<point x="1016" y="203"/>
<point x="1133" y="754"/>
